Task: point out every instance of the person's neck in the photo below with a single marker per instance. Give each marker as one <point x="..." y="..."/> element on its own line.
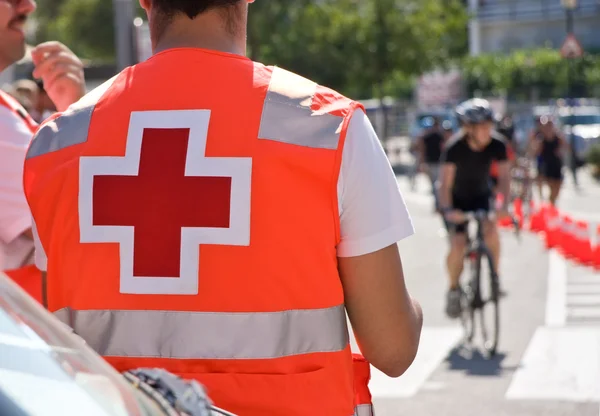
<point x="207" y="31"/>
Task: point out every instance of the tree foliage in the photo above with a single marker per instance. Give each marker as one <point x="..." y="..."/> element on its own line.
<point x="526" y="74"/>
<point x="360" y="47"/>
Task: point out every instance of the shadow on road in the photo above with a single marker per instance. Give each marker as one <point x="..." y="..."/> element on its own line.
<point x="473" y="362"/>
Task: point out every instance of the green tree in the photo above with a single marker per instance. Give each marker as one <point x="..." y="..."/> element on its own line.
<point x="86" y="26"/>
<point x="359" y="47"/>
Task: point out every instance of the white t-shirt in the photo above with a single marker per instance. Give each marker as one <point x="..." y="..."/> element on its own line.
<point x="15" y="217"/>
<point x="373" y="214"/>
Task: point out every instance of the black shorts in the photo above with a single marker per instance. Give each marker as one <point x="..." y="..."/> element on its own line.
<point x="471" y="204"/>
<point x="551" y="170"/>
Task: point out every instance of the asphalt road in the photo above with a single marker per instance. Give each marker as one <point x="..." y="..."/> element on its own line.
<point x="549" y="355"/>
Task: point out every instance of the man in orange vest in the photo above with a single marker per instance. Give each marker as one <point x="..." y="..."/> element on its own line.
<point x="63" y="74"/>
<point x="216" y="217"/>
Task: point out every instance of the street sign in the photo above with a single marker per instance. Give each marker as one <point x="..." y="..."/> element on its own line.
<point x="571" y="48"/>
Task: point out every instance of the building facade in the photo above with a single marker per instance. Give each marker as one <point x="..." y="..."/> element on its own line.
<point x="505" y="25"/>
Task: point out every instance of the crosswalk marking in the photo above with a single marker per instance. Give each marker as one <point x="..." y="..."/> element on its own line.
<point x="583" y="299"/>
<point x="557" y="290"/>
<point x="559" y="364"/>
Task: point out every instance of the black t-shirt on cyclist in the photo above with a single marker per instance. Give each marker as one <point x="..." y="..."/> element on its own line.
<point x="472" y="179"/>
<point x="432" y="143"/>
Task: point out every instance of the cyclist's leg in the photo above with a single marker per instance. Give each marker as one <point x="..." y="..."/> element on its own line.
<point x="490" y="233"/>
<point x="455" y="262"/>
<point x="554" y="178"/>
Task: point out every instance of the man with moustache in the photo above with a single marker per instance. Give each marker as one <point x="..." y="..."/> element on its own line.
<point x="62" y="74"/>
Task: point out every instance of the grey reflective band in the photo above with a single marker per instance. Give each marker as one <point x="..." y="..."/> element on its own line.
<point x="287" y="116"/>
<point x="71" y="127"/>
<point x="210" y="335"/>
<point x="364" y="410"/>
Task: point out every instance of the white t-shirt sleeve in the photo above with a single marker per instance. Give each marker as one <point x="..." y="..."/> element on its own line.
<point x="41" y="260"/>
<point x="14" y="141"/>
<point x="373" y="214"/>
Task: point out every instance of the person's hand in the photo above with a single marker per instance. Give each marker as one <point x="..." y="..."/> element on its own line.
<point x="455" y="216"/>
<point x="61" y="71"/>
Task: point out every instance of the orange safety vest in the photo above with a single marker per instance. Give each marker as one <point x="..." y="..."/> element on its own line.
<point x="362" y="376"/>
<point x="188" y="209"/>
<point x="28" y="277"/>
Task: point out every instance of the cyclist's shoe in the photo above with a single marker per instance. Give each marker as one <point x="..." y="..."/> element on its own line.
<point x="453" y="303"/>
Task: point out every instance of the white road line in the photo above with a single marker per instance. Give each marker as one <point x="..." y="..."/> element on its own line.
<point x="556" y="301"/>
<point x="436" y="343"/>
<point x="560" y="364"/>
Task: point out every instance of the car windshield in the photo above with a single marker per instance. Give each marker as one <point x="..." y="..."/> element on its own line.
<point x="581" y="119"/>
<point x="45" y="368"/>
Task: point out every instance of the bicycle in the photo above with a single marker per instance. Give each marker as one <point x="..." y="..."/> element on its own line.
<point x="474" y="299"/>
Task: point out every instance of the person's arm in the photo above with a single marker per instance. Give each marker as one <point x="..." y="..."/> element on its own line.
<point x="420" y="145"/>
<point x="447" y="175"/>
<point x="501" y="157"/>
<point x="15" y="219"/>
<point x="386" y="320"/>
<point x="373" y="217"/>
<point x="449" y="160"/>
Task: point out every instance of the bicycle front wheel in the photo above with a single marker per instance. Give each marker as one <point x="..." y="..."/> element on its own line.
<point x="489" y="311"/>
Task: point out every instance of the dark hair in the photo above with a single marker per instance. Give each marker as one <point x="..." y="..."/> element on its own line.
<point x="191" y="8"/>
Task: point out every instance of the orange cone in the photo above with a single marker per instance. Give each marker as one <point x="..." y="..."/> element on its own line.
<point x="551" y="227"/>
<point x="583" y="252"/>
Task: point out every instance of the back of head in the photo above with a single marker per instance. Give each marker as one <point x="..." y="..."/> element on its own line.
<point x="164" y="11"/>
<point x="190" y="8"/>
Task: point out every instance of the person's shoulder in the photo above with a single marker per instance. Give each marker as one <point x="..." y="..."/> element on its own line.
<point x="68" y="124"/>
<point x="498" y="139"/>
<point x="455" y="141"/>
<point x="289" y="85"/>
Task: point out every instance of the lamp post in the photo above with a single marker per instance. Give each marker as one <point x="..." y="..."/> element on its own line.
<point x="123" y="18"/>
<point x="570" y="6"/>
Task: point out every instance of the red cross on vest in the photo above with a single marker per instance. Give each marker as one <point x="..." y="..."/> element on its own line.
<point x="163" y="199"/>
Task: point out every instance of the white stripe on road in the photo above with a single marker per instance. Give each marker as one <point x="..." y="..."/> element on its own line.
<point x="556" y="301"/>
<point x="436" y="344"/>
<point x="560" y="364"/>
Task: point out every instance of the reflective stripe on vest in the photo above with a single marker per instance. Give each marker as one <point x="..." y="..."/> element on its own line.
<point x="200" y="335"/>
<point x="71" y="127"/>
<point x="288" y="117"/>
<point x="364" y="410"/>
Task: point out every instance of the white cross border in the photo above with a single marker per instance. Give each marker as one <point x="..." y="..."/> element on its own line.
<point x="238" y="168"/>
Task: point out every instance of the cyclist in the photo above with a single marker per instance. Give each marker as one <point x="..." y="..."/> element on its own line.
<point x="429" y="145"/>
<point x="465" y="187"/>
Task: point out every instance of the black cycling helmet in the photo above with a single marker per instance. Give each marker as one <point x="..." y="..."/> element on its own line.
<point x="474" y="111"/>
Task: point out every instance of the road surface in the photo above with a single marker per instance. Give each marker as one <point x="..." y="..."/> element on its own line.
<point x="549" y="355"/>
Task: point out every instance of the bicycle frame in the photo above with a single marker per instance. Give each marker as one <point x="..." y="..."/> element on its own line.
<point x="476" y="249"/>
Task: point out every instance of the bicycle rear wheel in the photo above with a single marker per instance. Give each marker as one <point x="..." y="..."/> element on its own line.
<point x="489" y="307"/>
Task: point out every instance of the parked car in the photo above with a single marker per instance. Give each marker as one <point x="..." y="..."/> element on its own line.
<point x="47" y="370"/>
